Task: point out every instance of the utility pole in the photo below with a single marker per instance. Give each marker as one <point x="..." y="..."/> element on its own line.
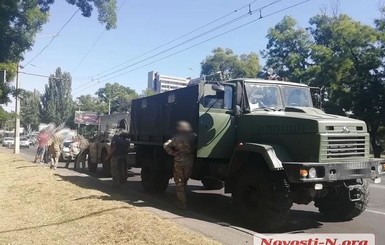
<point x="17" y="117"/>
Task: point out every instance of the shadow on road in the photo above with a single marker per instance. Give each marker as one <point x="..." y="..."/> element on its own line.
<point x="203" y="205"/>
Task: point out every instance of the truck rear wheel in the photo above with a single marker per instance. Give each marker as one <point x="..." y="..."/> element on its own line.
<point x="154" y="181"/>
<point x="337" y="205"/>
<point x="264" y="202"/>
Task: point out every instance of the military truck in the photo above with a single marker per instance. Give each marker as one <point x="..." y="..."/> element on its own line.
<point x="99" y="146"/>
<point x="266" y="142"/>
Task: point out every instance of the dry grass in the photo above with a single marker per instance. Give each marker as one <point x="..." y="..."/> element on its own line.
<point x="37" y="208"/>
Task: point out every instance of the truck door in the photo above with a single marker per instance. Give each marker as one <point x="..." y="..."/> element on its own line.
<point x="216" y="136"/>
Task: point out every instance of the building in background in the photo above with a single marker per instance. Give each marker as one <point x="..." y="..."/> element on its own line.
<point x="163" y="83"/>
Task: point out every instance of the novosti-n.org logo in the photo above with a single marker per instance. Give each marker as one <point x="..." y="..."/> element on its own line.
<point x="314" y="239"/>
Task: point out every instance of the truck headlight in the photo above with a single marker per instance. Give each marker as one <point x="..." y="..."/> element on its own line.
<point x="312" y="173"/>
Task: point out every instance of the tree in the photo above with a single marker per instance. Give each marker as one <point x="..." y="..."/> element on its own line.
<point x="147" y="92"/>
<point x="117" y="96"/>
<point x="288" y="50"/>
<point x="29" y="109"/>
<point x="7" y="119"/>
<point x="21" y="20"/>
<point x="91" y="103"/>
<point x="224" y="64"/>
<point x="56" y="102"/>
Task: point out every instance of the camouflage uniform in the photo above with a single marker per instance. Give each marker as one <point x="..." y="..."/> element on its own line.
<point x="54" y="148"/>
<point x="182" y="147"/>
<point x="120" y="145"/>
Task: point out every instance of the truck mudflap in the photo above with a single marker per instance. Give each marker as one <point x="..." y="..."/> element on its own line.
<point x="329" y="172"/>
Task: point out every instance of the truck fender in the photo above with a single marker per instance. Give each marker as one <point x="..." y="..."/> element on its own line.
<point x="265" y="151"/>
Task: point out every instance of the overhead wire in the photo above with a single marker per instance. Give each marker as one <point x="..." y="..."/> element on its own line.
<point x="207" y="40"/>
<point x="178" y="38"/>
<point x="52" y="39"/>
<point x="186" y="41"/>
<point x="95" y="42"/>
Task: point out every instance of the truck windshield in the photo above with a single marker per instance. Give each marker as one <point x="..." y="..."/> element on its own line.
<point x="296" y="96"/>
<point x="263" y="96"/>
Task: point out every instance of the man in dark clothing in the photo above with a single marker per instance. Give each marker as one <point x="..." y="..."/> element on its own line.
<point x="118" y="153"/>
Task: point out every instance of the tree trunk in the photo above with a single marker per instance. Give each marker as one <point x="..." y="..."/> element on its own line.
<point x="377" y="149"/>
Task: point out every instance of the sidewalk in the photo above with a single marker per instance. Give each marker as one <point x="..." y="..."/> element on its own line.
<point x="38" y="207"/>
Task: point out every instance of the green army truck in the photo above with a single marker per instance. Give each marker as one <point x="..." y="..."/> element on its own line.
<point x="266" y="142"/>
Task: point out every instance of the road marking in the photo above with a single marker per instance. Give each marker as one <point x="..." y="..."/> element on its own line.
<point x="373" y="211"/>
<point x="377" y="186"/>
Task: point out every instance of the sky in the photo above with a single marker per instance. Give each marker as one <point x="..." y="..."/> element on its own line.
<point x="144" y="25"/>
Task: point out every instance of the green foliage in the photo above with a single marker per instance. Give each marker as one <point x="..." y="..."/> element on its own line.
<point x="224" y="64"/>
<point x="118" y="95"/>
<point x="21" y="20"/>
<point x="19" y="23"/>
<point x="288" y="50"/>
<point x="106" y="10"/>
<point x="5" y="89"/>
<point x="56" y="102"/>
<point x="7" y="120"/>
<point x="147" y="92"/>
<point x="29" y="109"/>
<point x="91" y="103"/>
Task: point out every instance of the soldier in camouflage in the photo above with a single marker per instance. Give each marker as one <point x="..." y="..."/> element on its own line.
<point x="118" y="153"/>
<point x="182" y="146"/>
<point x="55" y="144"/>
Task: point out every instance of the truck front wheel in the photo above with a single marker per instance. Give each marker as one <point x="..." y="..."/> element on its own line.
<point x="337" y="205"/>
<point x="262" y="198"/>
<point x="154" y="181"/>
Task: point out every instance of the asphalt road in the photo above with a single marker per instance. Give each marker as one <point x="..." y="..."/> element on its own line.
<point x="211" y="212"/>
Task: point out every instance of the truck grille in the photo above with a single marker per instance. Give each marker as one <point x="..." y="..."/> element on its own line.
<point x="344" y="147"/>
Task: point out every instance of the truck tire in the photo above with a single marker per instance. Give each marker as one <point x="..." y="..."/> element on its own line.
<point x="212" y="183"/>
<point x="92" y="167"/>
<point x="336" y="205"/>
<point x="262" y="198"/>
<point x="154" y="181"/>
<point x="106" y="164"/>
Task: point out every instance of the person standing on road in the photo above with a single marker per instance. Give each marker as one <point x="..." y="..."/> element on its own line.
<point x="182" y="146"/>
<point x="42" y="146"/>
<point x="74" y="150"/>
<point x="117" y="155"/>
<point x="55" y="144"/>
